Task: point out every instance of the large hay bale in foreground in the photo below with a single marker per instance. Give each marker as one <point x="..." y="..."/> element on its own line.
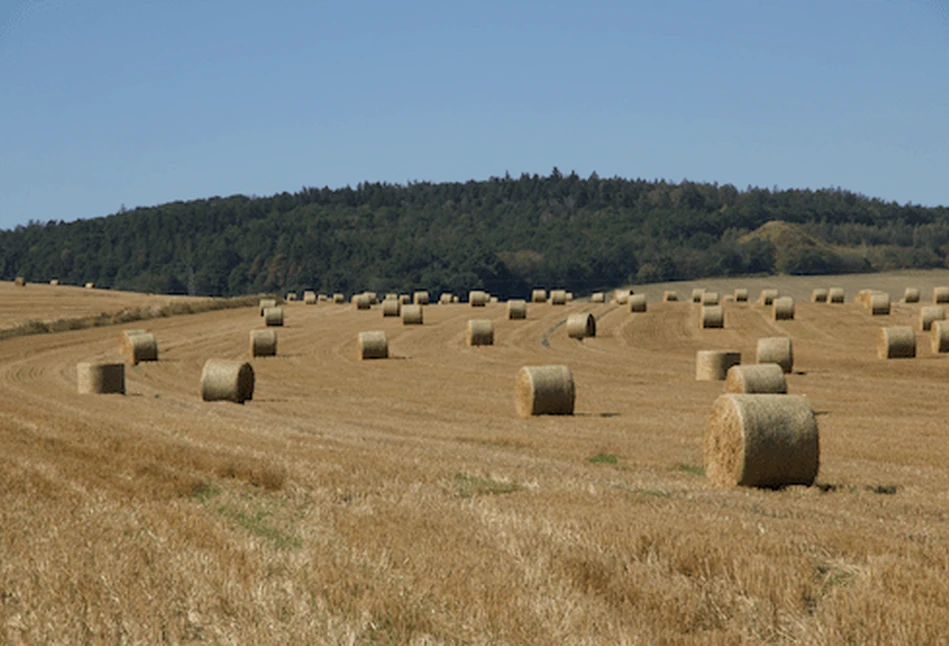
<point x="670" y="296"/>
<point x="517" y="309"/>
<point x="263" y="343"/>
<point x="764" y="378"/>
<point x="362" y="301"/>
<point x="940" y="337"/>
<point x="767" y="296"/>
<point x="929" y="314"/>
<point x="898" y="342"/>
<point x="911" y="295"/>
<point x="20" y="281"/>
<point x="420" y="298"/>
<point x="697" y="294"/>
<point x="712" y="365"/>
<point x="782" y="309"/>
<point x="712" y="317"/>
<point x="227" y="380"/>
<point x="100" y="378"/>
<point x="581" y="325"/>
<point x="710" y="298"/>
<point x="544" y="390"/>
<point x="273" y="317"/>
<point x="477" y="298"/>
<point x="741" y="295"/>
<point x="558" y="297"/>
<point x="637" y="302"/>
<point x="836" y="295"/>
<point x="940" y="295"/>
<point x="412" y="315"/>
<point x="776" y="349"/>
<point x="373" y="345"/>
<point x="264" y="303"/>
<point x="598" y="297"/>
<point x="391" y="307"/>
<point x="309" y="298"/>
<point x="819" y="295"/>
<point x="480" y="332"/>
<point x="138" y="346"/>
<point x="879" y="304"/>
<point x="761" y="441"/>
<point x="538" y="296"/>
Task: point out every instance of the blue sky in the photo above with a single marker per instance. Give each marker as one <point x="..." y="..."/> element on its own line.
<point x="111" y="103"/>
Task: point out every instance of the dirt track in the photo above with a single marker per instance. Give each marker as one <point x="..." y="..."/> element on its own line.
<point x="402" y="499"/>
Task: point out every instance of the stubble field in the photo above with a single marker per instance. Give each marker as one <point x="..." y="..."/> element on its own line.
<point x="401" y="501"/>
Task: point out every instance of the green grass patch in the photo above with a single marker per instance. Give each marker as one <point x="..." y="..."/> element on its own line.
<point x="466" y="486"/>
<point x="604" y="458"/>
<point x="256" y="523"/>
<point x="694" y="470"/>
<point x="204" y="492"/>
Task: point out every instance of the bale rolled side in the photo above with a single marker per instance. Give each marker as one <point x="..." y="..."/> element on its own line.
<point x="940" y="337"/>
<point x="765" y="378"/>
<point x="940" y="295"/>
<point x="569" y="297"/>
<point x="710" y="298"/>
<point x="782" y="309"/>
<point x="391" y="307"/>
<point x="712" y="317"/>
<point x="227" y="380"/>
<point x="558" y="297"/>
<point x="100" y="378"/>
<point x="140" y="347"/>
<point x="54" y="282"/>
<point x="412" y="315"/>
<point x="480" y="332"/>
<point x="90" y="286"/>
<point x="373" y="345"/>
<point x="420" y="298"/>
<point x="20" y="281"/>
<point x="898" y="342"/>
<point x="444" y="298"/>
<point x="339" y="298"/>
<point x="836" y="295"/>
<point x="879" y="304"/>
<point x="819" y="295"/>
<point x="477" y="298"/>
<point x="309" y="298"/>
<point x="264" y="303"/>
<point x="697" y="294"/>
<point x="670" y="296"/>
<point x="544" y="390"/>
<point x="538" y="296"/>
<point x="741" y="295"/>
<point x="362" y="301"/>
<point x="767" y="296"/>
<point x="776" y="349"/>
<point x="273" y="317"/>
<point x="621" y="296"/>
<point x="929" y="314"/>
<point x="598" y="297"/>
<point x="581" y="325"/>
<point x="637" y="302"/>
<point x="263" y="343"/>
<point x="712" y="365"/>
<point x="911" y="295"/>
<point x="761" y="441"/>
<point x="517" y="309"/>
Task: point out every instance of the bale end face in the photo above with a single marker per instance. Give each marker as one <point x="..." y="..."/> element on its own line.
<point x="226" y="380"/>
<point x="544" y="390"/>
<point x="373" y="345"/>
<point x="712" y="365"/>
<point x="896" y="342"/>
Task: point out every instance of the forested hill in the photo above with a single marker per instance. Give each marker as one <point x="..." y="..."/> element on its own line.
<point x="504" y="234"/>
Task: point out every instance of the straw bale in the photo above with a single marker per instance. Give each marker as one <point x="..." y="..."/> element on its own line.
<point x="558" y="297"/>
<point x="100" y="378"/>
<point x="420" y="298"/>
<point x="291" y="297"/>
<point x="264" y="303"/>
<point x="776" y="349"/>
<point x="597" y="297"/>
<point x="309" y="298"/>
<point x="544" y="390"/>
<point x="411" y="315"/>
<point x="911" y="295"/>
<point x="940" y="295"/>
<point x="517" y="308"/>
<point x="710" y="298"/>
<point x="940" y="337"/>
<point x="670" y="296"/>
<point x="763" y="378"/>
<point x="782" y="309"/>
<point x="494" y="300"/>
<point x="538" y="296"/>
<point x="362" y="301"/>
<point x="711" y="365"/>
<point x="581" y="325"/>
<point x="761" y="441"/>
<point x="263" y="343"/>
<point x="391" y="307"/>
<point x="569" y="297"/>
<point x="480" y="332"/>
<point x="138" y="346"/>
<point x="621" y="296"/>
<point x="54" y="282"/>
<point x="697" y="294"/>
<point x="836" y="295"/>
<point x="819" y="295"/>
<point x="227" y="380"/>
<point x="445" y="298"/>
<point x="712" y="316"/>
<point x="898" y="342"/>
<point x="323" y="298"/>
<point x="477" y="298"/>
<point x="338" y="298"/>
<point x="273" y="317"/>
<point x="767" y="296"/>
<point x="637" y="302"/>
<point x="373" y="345"/>
<point x="90" y="285"/>
<point x="20" y="281"/>
<point x="880" y="304"/>
<point x="928" y="314"/>
<point x="455" y="299"/>
<point x="741" y="295"/>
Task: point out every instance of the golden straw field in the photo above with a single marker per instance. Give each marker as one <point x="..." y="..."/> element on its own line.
<point x="402" y="501"/>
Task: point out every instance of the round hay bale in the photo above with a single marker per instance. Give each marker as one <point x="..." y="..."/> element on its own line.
<point x="517" y="309"/>
<point x="911" y="295"/>
<point x="637" y="302"/>
<point x="323" y="298"/>
<point x="767" y="296"/>
<point x="54" y="282"/>
<point x="227" y="380"/>
<point x="597" y="297"/>
<point x="836" y="295"/>
<point x="538" y="296"/>
<point x="140" y="346"/>
<point x="391" y="307"/>
<point x="929" y="314"/>
<point x="264" y="303"/>
<point x="494" y="300"/>
<point x="19" y="281"/>
<point x="569" y="297"/>
<point x="776" y="349"/>
<point x="480" y="332"/>
<point x="581" y="326"/>
<point x="291" y="297"/>
<point x="712" y="317"/>
<point x="782" y="309"/>
<point x="544" y="390"/>
<point x="940" y="295"/>
<point x="373" y="298"/>
<point x="273" y="317"/>
<point x="670" y="296"/>
<point x="765" y="378"/>
<point x="621" y="296"/>
<point x="710" y="298"/>
<point x="455" y="299"/>
<point x="940" y="337"/>
<point x="339" y="298"/>
<point x="373" y="345"/>
<point x="819" y="295"/>
<point x="420" y="298"/>
<point x="897" y="342"/>
<point x="263" y="343"/>
<point x="558" y="297"/>
<point x="444" y="298"/>
<point x="712" y="365"/>
<point x="697" y="294"/>
<point x="362" y="301"/>
<point x="741" y="295"/>
<point x="309" y="298"/>
<point x="761" y="441"/>
<point x="100" y="378"/>
<point x="90" y="285"/>
<point x="879" y="304"/>
<point x="477" y="298"/>
<point x="411" y="315"/>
